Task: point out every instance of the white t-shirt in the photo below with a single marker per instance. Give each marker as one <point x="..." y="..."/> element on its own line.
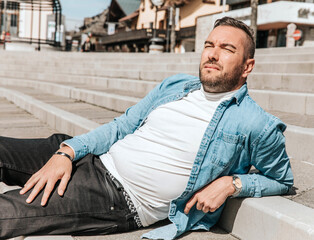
<point x="154" y="163"/>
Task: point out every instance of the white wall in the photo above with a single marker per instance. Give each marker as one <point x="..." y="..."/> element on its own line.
<point x="25" y="23"/>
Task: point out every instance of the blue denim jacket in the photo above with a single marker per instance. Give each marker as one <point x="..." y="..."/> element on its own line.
<point x="239" y="135"/>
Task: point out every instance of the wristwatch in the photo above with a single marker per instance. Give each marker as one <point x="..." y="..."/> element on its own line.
<point x="236" y="181"/>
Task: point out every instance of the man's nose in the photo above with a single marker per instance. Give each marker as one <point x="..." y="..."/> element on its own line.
<point x="213" y="54"/>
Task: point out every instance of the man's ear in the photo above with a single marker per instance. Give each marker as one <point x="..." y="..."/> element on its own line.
<point x="248" y="67"/>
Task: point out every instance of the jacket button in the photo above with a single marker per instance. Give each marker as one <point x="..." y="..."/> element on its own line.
<point x="173" y="210"/>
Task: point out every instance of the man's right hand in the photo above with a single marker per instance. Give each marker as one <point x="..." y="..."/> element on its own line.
<point x="57" y="168"/>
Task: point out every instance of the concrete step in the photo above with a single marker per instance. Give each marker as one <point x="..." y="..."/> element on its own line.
<point x="293" y="119"/>
<point x="88" y="62"/>
<point x="262" y="81"/>
<point x="61" y="58"/>
<point x="299" y="139"/>
<point x="53" y="116"/>
<point x="86" y="110"/>
<point x="277" y="81"/>
<point x="99" y="68"/>
<point x="268" y="218"/>
<point x="286" y="215"/>
<point x="284" y="67"/>
<point x="91" y="59"/>
<point x="289" y="102"/>
<point x="16" y="122"/>
<point x="285" y="57"/>
<point x="129" y="87"/>
<point x="156" y="76"/>
<point x="297" y="136"/>
<point x="284" y="50"/>
<point x="118" y="99"/>
<point x="289" y="82"/>
<point x="116" y="102"/>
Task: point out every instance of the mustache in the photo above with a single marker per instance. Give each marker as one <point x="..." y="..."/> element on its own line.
<point x="212" y="62"/>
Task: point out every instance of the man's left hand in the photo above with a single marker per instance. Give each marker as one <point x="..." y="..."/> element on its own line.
<point x="212" y="196"/>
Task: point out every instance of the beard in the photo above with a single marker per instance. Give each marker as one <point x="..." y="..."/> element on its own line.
<point x="225" y="82"/>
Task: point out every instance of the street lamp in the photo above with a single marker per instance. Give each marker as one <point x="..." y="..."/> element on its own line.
<point x="154" y="47"/>
<point x="156" y="3"/>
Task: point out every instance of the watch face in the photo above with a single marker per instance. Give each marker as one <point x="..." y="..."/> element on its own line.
<point x="238" y="183"/>
<point x="158" y="3"/>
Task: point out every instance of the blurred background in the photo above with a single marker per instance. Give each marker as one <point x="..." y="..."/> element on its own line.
<point x="147" y="25"/>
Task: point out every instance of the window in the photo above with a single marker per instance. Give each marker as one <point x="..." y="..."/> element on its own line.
<point x="13" y="20"/>
<point x="2" y="19"/>
<point x="161" y="25"/>
<point x="11" y="5"/>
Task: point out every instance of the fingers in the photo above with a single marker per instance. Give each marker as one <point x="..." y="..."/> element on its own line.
<point x="63" y="184"/>
<point x="48" y="189"/>
<point x="28" y="185"/>
<point x="206" y="209"/>
<point x="37" y="188"/>
<point x="190" y="204"/>
<point x="46" y="178"/>
<point x="201" y="205"/>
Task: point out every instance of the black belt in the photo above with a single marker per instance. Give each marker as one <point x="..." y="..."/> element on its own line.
<point x="127" y="199"/>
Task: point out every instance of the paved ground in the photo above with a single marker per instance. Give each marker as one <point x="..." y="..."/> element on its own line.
<point x="15" y="122"/>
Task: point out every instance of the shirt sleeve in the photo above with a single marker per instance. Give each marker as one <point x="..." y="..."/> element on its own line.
<point x="269" y="157"/>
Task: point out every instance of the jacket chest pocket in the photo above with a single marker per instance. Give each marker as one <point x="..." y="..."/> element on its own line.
<point x="227" y="148"/>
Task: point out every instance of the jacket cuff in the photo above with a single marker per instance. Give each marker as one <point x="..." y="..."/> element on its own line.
<point x="250" y="186"/>
<point x="79" y="148"/>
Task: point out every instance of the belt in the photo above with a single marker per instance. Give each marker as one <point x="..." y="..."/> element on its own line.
<point x="127" y="199"/>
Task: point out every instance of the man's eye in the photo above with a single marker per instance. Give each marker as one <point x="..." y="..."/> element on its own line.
<point x="208" y="46"/>
<point x="229" y="50"/>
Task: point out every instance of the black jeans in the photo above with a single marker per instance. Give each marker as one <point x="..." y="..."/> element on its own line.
<point x="92" y="203"/>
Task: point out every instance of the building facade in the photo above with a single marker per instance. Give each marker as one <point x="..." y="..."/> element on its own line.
<point x="273" y="19"/>
<point x="135" y="30"/>
<point x="32" y="21"/>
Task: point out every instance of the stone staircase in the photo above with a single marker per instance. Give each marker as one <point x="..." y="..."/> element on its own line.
<point x="74" y="93"/>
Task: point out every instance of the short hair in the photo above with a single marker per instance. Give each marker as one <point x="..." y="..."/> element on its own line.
<point x="228" y="21"/>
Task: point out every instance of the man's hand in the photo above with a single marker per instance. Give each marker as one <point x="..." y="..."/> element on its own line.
<point x="212" y="196"/>
<point x="57" y="168"/>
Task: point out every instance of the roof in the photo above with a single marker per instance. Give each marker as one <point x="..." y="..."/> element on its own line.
<point x="129" y="6"/>
<point x="129" y="17"/>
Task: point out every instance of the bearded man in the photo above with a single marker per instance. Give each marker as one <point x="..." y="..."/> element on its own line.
<point x="179" y="153"/>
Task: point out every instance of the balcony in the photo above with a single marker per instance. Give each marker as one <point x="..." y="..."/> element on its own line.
<point x="135" y="35"/>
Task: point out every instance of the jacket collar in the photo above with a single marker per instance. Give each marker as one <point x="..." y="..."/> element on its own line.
<point x="238" y="96"/>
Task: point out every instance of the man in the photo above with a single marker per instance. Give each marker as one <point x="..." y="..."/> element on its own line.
<point x="179" y="153"/>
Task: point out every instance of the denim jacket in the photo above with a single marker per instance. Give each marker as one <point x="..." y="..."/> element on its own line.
<point x="240" y="134"/>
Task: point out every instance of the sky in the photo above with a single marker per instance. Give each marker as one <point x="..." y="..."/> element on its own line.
<point x="76" y="10"/>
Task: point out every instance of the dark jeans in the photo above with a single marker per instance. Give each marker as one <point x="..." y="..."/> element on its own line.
<point x="92" y="203"/>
